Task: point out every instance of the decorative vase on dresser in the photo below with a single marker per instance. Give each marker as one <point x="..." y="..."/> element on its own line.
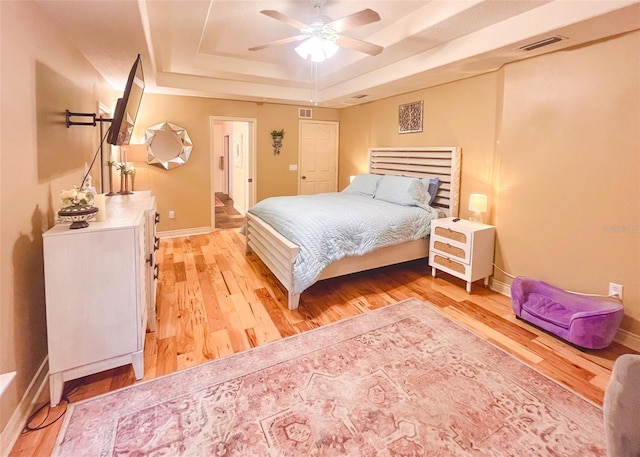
<point x="100" y="291"/>
<point x="462" y="248"/>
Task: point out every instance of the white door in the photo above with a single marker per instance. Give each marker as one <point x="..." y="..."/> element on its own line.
<point x="240" y="168"/>
<point x="318" y="171"/>
<point x="224" y="165"/>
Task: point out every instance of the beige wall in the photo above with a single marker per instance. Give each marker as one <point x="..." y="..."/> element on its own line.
<point x="458" y="114"/>
<point x="555" y="143"/>
<point x="186" y="189"/>
<point x="42" y="75"/>
<point x="568" y="170"/>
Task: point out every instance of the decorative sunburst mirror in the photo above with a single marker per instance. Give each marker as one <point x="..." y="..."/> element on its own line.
<point x="168" y="145"/>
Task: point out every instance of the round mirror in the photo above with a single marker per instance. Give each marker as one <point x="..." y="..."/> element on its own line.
<point x="168" y="145"/>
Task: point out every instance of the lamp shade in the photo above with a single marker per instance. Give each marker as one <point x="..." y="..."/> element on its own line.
<point x="317" y="49"/>
<point x="478" y="203"/>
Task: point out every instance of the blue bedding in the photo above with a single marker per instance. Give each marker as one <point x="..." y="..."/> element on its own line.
<point x="328" y="227"/>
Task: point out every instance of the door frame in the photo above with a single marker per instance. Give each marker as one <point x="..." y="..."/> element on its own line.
<point x="250" y="172"/>
<point x="312" y="121"/>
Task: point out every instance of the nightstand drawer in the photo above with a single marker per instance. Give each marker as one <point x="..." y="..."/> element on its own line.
<point x="448" y="264"/>
<point x="453" y="235"/>
<point x="450" y="250"/>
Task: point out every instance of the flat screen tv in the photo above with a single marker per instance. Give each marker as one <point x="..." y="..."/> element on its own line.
<point x="124" y="116"/>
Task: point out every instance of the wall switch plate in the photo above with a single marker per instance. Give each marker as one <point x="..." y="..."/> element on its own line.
<point x="293" y="167"/>
<point x="615" y="290"/>
<point x="172" y="214"/>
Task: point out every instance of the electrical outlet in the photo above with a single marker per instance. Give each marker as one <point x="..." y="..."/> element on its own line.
<point x="172" y="214"/>
<point x="615" y="290"/>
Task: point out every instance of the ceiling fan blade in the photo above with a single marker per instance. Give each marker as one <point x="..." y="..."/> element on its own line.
<point x="358" y="45"/>
<point x="286" y="19"/>
<point x="354" y="20"/>
<point x="290" y="39"/>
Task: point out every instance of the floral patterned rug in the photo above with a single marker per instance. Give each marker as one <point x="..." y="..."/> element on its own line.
<point x="399" y="381"/>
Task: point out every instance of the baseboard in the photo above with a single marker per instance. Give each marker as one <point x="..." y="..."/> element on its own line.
<point x="18" y="419"/>
<point x="628" y="339"/>
<point x="185" y="232"/>
<point x="624" y="337"/>
<point x="500" y="287"/>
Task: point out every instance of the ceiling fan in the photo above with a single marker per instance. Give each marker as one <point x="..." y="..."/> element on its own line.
<point x="321" y="36"/>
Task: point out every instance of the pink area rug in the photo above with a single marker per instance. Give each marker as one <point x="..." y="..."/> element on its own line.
<point x="399" y="381"/>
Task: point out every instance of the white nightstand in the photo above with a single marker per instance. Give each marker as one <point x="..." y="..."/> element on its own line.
<point x="462" y="248"/>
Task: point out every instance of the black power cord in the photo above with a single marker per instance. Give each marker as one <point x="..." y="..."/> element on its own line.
<point x="95" y="156"/>
<point x="28" y="428"/>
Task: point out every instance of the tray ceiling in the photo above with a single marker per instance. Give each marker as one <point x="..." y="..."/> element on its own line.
<point x="201" y="47"/>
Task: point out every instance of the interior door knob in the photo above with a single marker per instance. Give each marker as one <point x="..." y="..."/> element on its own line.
<point x="304" y="177"/>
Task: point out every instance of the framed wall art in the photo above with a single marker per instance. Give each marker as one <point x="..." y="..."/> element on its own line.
<point x="410" y="117"/>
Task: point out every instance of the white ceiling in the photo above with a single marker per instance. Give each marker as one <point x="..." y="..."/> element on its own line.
<point x="200" y="47"/>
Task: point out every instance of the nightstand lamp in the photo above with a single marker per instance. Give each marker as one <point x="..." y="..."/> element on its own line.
<point x="477" y="204"/>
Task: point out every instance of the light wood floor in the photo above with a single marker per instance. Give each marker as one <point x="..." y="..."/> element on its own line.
<point x="226" y="216"/>
<point x="213" y="300"/>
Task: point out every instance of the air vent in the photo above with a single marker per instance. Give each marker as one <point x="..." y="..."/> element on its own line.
<point x="541" y="43"/>
<point x="359" y="96"/>
<point x="305" y="113"/>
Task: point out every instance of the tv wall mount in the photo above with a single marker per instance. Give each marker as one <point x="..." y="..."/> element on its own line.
<point x="94" y="119"/>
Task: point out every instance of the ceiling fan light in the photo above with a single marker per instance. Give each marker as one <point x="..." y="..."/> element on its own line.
<point x="317" y="49"/>
<point x="303" y="49"/>
<point x="329" y="48"/>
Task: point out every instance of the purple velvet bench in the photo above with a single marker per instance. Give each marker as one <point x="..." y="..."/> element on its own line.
<point x="587" y="322"/>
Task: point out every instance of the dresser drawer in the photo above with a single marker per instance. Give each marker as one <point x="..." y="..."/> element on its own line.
<point x="457" y="251"/>
<point x="445" y="263"/>
<point x="459" y="236"/>
<point x="453" y="240"/>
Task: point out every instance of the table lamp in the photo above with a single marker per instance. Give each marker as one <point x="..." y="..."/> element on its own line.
<point x="477" y="204"/>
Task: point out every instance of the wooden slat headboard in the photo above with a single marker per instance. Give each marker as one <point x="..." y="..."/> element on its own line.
<point x="423" y="162"/>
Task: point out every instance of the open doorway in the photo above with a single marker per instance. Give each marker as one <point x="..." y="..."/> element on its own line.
<point x="233" y="162"/>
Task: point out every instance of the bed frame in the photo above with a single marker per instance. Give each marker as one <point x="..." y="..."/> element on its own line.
<point x="279" y="254"/>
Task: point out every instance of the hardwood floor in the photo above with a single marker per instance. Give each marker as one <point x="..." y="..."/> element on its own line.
<point x="226" y="216"/>
<point x="213" y="300"/>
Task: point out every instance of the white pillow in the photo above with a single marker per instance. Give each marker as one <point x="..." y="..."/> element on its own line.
<point x="364" y="183"/>
<point x="403" y="190"/>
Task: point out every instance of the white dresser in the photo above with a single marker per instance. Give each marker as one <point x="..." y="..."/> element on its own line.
<point x="143" y="200"/>
<point x="100" y="291"/>
<point x="462" y="248"/>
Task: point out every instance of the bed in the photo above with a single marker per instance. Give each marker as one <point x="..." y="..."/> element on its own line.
<point x="280" y="253"/>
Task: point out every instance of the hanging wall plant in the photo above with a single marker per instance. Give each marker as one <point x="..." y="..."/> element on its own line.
<point x="277" y="136"/>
